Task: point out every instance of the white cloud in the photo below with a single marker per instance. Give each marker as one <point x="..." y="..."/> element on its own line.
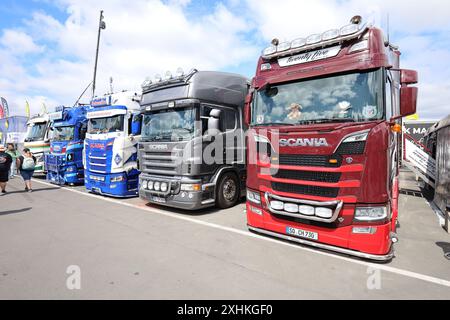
<point x="142" y="38"/>
<point x="18" y="42"/>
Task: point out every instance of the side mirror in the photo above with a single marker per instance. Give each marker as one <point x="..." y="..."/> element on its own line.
<point x="247" y="109"/>
<point x="136" y="125"/>
<point x="408" y="100"/>
<point x="408" y="77"/>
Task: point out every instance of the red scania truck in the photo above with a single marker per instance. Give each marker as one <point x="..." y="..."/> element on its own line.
<point x="323" y="143"/>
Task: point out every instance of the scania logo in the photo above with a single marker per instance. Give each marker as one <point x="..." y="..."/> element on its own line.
<point x="304" y="142"/>
<point x="158" y="147"/>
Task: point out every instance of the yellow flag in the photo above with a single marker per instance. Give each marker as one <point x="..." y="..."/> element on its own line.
<point x="6" y="124"/>
<point x="414" y="116"/>
<point x="27" y="109"/>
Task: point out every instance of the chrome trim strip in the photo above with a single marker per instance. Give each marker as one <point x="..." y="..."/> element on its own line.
<point x="319" y="245"/>
<point x="97" y="164"/>
<point x="96" y="171"/>
<point x="339" y="204"/>
<point x="98" y="158"/>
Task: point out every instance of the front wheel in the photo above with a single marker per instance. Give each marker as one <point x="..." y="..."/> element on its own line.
<point x="228" y="191"/>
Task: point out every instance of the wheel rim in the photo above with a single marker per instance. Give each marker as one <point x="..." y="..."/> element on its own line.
<point x="229" y="189"/>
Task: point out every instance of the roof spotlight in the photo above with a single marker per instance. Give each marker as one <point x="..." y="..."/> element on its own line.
<point x="275" y="42"/>
<point x="180" y="72"/>
<point x="158" y="77"/>
<point x="168" y="75"/>
<point x="356" y="19"/>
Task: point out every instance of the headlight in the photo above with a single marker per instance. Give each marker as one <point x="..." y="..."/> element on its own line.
<point x="71" y="169"/>
<point x="117" y="179"/>
<point x="164" y="186"/>
<point x="253" y="197"/>
<point x="371" y="213"/>
<point x="156" y="185"/>
<point x="190" y="187"/>
<point x="359" y="136"/>
<point x="144" y="184"/>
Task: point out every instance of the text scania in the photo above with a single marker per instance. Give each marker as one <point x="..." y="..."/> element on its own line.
<point x="314" y="142"/>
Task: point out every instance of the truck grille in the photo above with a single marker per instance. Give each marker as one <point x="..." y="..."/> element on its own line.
<point x="331" y="177"/>
<point x="308" y="160"/>
<point x="307" y="190"/>
<point x="158" y="162"/>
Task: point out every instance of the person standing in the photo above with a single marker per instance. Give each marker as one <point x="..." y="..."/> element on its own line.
<point x="5" y="165"/>
<point x="14" y="153"/>
<point x="26" y="164"/>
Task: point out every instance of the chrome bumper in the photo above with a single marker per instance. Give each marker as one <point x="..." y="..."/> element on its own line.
<point x="319" y="245"/>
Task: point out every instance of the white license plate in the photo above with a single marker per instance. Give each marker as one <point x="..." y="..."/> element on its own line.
<point x="159" y="199"/>
<point x="302" y="233"/>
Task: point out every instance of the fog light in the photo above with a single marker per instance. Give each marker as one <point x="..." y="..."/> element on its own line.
<point x="144" y="184"/>
<point x="150" y="185"/>
<point x="164" y="186"/>
<point x="256" y="210"/>
<point x="324" y="213"/>
<point x="276" y="205"/>
<point x="306" y="210"/>
<point x="156" y="185"/>
<point x="291" y="207"/>
<point x="364" y="230"/>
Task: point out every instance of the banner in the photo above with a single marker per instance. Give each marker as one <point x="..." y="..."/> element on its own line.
<point x="4" y="108"/>
<point x="420" y="159"/>
<point x="13" y="129"/>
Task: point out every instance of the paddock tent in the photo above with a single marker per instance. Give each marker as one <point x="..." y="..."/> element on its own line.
<point x="13" y="129"/>
<point x="438" y="139"/>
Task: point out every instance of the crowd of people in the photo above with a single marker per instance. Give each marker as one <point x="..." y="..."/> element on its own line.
<point x="13" y="162"/>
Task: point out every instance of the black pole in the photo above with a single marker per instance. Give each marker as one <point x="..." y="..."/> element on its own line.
<point x="101" y="25"/>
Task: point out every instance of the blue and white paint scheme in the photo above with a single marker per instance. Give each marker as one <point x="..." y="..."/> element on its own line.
<point x="114" y="131"/>
<point x="64" y="162"/>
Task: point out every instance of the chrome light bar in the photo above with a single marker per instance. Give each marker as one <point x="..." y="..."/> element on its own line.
<point x="317" y="205"/>
<point x="330" y="37"/>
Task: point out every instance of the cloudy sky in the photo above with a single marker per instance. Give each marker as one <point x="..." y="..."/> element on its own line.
<point x="47" y="47"/>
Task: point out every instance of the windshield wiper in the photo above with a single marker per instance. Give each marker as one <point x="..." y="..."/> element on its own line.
<point x="327" y="120"/>
<point x="273" y="124"/>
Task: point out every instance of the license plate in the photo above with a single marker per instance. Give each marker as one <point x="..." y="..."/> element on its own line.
<point x="159" y="199"/>
<point x="302" y="233"/>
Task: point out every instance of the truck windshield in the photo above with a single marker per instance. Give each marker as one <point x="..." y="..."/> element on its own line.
<point x="106" y="125"/>
<point x="351" y="97"/>
<point x="169" y="125"/>
<point x="36" y="132"/>
<point x="63" y="133"/>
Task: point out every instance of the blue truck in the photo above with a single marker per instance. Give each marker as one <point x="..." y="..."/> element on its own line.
<point x="110" y="147"/>
<point x="64" y="162"/>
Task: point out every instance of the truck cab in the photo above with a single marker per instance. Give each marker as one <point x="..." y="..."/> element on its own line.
<point x="114" y="131"/>
<point x="323" y="141"/>
<point x="37" y="140"/>
<point x="192" y="152"/>
<point x="64" y="162"/>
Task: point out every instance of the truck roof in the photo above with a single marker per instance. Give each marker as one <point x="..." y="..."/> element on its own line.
<point x="214" y="86"/>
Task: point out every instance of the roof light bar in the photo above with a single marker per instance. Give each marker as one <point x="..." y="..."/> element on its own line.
<point x="347" y="32"/>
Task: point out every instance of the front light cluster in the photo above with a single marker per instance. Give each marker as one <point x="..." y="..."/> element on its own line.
<point x="254" y="197"/>
<point x="161" y="186"/>
<point x="117" y="179"/>
<point x="357" y="137"/>
<point x="369" y="214"/>
<point x="190" y="187"/>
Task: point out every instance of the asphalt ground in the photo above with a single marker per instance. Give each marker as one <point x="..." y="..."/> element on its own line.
<point x="119" y="249"/>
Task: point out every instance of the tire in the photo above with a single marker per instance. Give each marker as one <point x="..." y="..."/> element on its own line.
<point x="228" y="191"/>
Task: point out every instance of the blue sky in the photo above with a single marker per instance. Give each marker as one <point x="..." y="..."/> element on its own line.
<point x="47" y="46"/>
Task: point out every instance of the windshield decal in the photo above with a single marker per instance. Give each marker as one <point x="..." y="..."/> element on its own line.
<point x="309" y="56"/>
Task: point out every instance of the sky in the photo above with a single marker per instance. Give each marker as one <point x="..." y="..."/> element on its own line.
<point x="47" y="47"/>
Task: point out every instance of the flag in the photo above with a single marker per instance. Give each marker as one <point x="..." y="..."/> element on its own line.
<point x="27" y="109"/>
<point x="414" y="116"/>
<point x="6" y="124"/>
